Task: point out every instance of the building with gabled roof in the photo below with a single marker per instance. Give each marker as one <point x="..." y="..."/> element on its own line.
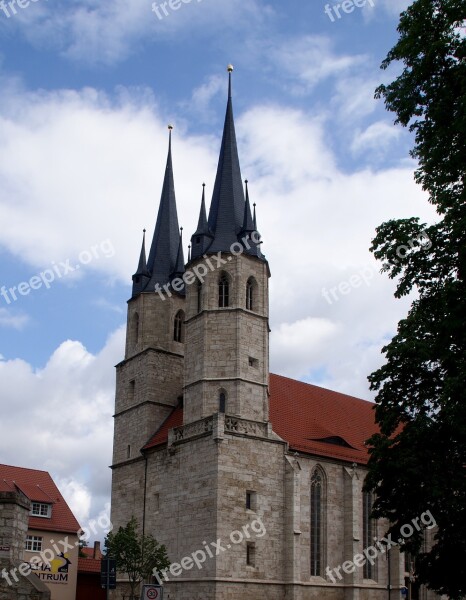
<point x="253" y="481"/>
<point x="51" y="542"/>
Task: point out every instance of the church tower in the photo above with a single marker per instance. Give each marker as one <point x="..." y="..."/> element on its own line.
<point x="195" y="456"/>
<point x="227" y="330"/>
<point x="149" y="379"/>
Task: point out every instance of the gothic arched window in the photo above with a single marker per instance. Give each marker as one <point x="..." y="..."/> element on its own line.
<point x="317" y="521"/>
<point x="250" y="300"/>
<point x="368" y="533"/>
<point x="222" y="402"/>
<point x="178" y="327"/>
<point x="223" y="291"/>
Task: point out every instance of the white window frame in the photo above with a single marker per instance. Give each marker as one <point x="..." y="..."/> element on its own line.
<point x="41" y="510"/>
<point x="34" y="543"/>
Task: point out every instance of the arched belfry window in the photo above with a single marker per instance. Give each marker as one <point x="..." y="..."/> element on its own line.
<point x="369" y="533"/>
<point x="223" y="291"/>
<point x="222" y="401"/>
<point x="317" y="521"/>
<point x="178" y="327"/>
<point x="250" y="294"/>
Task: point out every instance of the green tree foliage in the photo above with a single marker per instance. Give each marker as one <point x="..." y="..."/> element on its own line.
<point x="418" y="461"/>
<point x="136" y="555"/>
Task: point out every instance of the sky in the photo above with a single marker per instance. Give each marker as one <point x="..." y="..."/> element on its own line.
<point x="87" y="90"/>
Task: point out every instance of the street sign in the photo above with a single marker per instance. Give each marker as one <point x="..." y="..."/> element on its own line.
<point x="152" y="592"/>
<point x="108" y="573"/>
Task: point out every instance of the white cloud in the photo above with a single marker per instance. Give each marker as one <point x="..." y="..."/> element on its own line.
<point x="78" y="497"/>
<point x="311" y="59"/>
<point x="377" y="137"/>
<point x="96" y="32"/>
<point x="15" y="321"/>
<point x="202" y="95"/>
<point x="62" y="420"/>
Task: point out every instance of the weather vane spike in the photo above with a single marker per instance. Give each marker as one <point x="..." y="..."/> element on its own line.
<point x="170" y="126"/>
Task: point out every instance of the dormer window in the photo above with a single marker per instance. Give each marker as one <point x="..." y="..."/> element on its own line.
<point x="41" y="509"/>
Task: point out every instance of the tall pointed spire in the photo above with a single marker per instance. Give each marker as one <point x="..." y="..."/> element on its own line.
<point x="164" y="249"/>
<point x="227" y="206"/>
<point x="142" y="275"/>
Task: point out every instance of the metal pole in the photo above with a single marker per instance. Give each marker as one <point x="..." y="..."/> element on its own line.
<point x="108" y="577"/>
<point x="389" y="576"/>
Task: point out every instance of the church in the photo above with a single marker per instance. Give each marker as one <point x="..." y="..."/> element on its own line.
<point x="253" y="481"/>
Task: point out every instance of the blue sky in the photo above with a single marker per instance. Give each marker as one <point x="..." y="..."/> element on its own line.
<point x="87" y="90"/>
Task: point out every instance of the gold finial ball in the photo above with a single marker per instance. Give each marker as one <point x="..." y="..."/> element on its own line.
<point x="170" y="127"/>
<point x="230" y="68"/>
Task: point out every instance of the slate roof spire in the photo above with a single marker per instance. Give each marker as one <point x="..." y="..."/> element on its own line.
<point x="142" y="275"/>
<point x="227" y="207"/>
<point x="179" y="266"/>
<point x="202" y="237"/>
<point x="230" y="219"/>
<point x="164" y="251"/>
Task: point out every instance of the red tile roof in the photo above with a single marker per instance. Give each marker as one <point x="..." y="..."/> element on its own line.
<point x="89" y="552"/>
<point x="174" y="419"/>
<point x="302" y="414"/>
<point x="88" y="565"/>
<point x="39" y="486"/>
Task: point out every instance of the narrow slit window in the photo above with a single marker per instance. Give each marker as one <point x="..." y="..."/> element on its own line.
<point x="251" y="554"/>
<point x="222" y="402"/>
<point x="178" y="326"/>
<point x="250" y="295"/>
<point x="199" y="296"/>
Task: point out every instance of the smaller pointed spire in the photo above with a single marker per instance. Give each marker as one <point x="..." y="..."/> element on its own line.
<point x="142" y="275"/>
<point x="248" y="223"/>
<point x="254" y="219"/>
<point x="202" y="225"/>
<point x="179" y="267"/>
<point x="189" y="253"/>
<point x="202" y="238"/>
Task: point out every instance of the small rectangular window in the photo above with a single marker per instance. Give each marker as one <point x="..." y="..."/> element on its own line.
<point x="253" y="362"/>
<point x="41" y="509"/>
<point x="251" y="500"/>
<point x="250" y="554"/>
<point x="33" y="543"/>
<point x="128" y="451"/>
<point x="156" y="502"/>
<point x="131" y="388"/>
